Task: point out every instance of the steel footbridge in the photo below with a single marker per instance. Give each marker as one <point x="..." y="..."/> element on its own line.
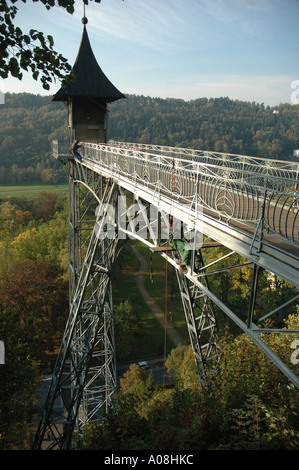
<point x="122" y="191"/>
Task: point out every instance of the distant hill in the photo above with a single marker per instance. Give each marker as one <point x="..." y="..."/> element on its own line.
<point x="220" y="125"/>
<point x="30" y="122"/>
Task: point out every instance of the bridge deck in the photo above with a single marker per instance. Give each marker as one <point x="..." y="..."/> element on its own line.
<point x="247" y="204"/>
<point x="226" y="202"/>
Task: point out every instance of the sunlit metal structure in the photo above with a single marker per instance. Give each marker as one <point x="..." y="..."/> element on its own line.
<point x="131" y="190"/>
<point x="248" y="205"/>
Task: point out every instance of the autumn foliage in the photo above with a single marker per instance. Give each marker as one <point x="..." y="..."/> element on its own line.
<point x="36" y="298"/>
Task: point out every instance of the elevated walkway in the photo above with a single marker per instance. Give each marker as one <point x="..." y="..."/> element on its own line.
<point x="252" y="209"/>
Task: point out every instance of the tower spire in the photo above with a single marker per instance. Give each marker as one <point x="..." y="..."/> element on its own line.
<point x="88" y="95"/>
<point x="84" y="19"/>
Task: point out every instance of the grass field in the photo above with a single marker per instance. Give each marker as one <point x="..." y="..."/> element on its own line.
<point x="150" y="341"/>
<point x="155" y="282"/>
<point x="31" y="190"/>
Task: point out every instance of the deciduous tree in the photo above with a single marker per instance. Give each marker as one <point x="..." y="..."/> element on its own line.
<point x="32" y="51"/>
<point x="35" y="297"/>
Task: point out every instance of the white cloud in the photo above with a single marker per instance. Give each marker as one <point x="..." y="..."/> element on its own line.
<point x="245" y="15"/>
<point x="270" y="90"/>
<point x="262" y="89"/>
<point x="179" y="48"/>
<point x="152" y="25"/>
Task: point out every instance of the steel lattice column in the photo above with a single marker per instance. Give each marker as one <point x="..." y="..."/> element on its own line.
<point x="87" y="350"/>
<point x="201" y="322"/>
<point x="99" y="391"/>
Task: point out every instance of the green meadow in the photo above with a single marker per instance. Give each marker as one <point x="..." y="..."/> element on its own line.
<point x="150" y="340"/>
<point x="32" y="190"/>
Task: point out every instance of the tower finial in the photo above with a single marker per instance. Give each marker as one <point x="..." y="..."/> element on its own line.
<point x="84" y="19"/>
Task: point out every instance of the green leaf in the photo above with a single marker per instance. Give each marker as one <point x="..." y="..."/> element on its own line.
<point x="51" y="40"/>
<point x="14" y="67"/>
<point x="26" y="39"/>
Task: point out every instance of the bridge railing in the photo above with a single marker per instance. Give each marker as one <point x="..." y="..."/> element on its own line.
<point x="232" y="189"/>
<point x="280" y="168"/>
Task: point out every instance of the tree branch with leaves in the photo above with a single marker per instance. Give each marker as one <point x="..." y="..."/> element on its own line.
<point x="33" y="51"/>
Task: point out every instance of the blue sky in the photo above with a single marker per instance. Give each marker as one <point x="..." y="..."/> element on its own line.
<point x="243" y="49"/>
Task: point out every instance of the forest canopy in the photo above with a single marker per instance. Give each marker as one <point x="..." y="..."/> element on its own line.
<point x="30" y="122"/>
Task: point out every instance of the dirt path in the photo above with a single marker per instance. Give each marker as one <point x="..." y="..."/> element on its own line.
<point x="159" y="314"/>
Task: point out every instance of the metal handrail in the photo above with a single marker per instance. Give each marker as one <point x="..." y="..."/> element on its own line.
<point x="242" y="162"/>
<point x="232" y="193"/>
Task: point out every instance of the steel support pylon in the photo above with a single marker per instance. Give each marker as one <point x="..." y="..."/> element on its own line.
<point x="201" y="322"/>
<point x="84" y="376"/>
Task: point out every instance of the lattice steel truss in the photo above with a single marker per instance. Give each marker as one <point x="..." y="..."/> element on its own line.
<point x="84" y="377"/>
<point x="201" y="321"/>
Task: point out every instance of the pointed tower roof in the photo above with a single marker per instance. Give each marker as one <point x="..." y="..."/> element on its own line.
<point x="90" y="80"/>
